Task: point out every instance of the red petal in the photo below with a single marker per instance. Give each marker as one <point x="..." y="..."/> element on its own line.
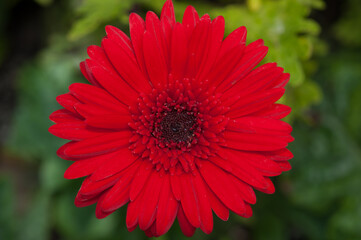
<point x="179" y="52"/>
<point x="255" y="142"/>
<point x="269" y="189"/>
<point x="118" y="195"/>
<point x="266" y="76"/>
<point x="90" y="187"/>
<point x="190" y="19"/>
<point x="67" y="101"/>
<point x="226" y="65"/>
<point x="120" y="38"/>
<point x="222" y="185"/>
<point x="255" y="102"/>
<point x="259" y="125"/>
<point x="204" y="204"/>
<point x="119" y="161"/>
<point x="266" y="166"/>
<point x="151" y="231"/>
<point x="167" y="208"/>
<point x="99" y="213"/>
<point x="189" y="200"/>
<point x="168" y="12"/>
<point x="75" y="130"/>
<point x="94" y="96"/>
<point x="140" y="180"/>
<point x="61" y="151"/>
<point x="246" y="191"/>
<point x="78" y="202"/>
<point x="279" y="155"/>
<point x="198" y="47"/>
<point x="87" y="74"/>
<point x="137" y="29"/>
<point x="286" y="166"/>
<point x="148" y="210"/>
<point x="109" y="121"/>
<point x="237" y="37"/>
<point x="218" y="207"/>
<point x="243" y="170"/>
<point x="126" y="65"/>
<point x="133" y="213"/>
<point x="98" y="55"/>
<point x="215" y="42"/>
<point x="154" y="27"/>
<point x="224" y="164"/>
<point x="275" y="111"/>
<point x="261" y="78"/>
<point x="98" y="145"/>
<point x="186" y="227"/>
<point x="168" y="22"/>
<point x="86" y="166"/>
<point x="89" y="110"/>
<point x="249" y="60"/>
<point x="282" y="81"/>
<point x="248" y="213"/>
<point x="113" y="83"/>
<point x="176" y="186"/>
<point x="254" y="45"/>
<point x="154" y="60"/>
<point x="63" y="115"/>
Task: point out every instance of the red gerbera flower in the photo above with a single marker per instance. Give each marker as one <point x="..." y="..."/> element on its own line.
<point x="174" y="123"/>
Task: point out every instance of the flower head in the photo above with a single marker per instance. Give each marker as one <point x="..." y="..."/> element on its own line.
<point x="176" y="122"/>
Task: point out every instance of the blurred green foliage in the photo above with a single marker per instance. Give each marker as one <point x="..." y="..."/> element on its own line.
<point x="318" y="199"/>
<point x="346" y="29"/>
<point x="330" y="179"/>
<point x="94" y="13"/>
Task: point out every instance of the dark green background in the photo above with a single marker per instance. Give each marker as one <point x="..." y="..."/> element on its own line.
<point x="317" y="42"/>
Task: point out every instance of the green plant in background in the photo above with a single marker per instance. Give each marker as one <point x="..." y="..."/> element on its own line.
<point x="327" y="185"/>
<point x="319" y="198"/>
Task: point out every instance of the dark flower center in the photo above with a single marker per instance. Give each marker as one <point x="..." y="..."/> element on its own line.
<point x="177" y="127"/>
<point x="174" y="126"/>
